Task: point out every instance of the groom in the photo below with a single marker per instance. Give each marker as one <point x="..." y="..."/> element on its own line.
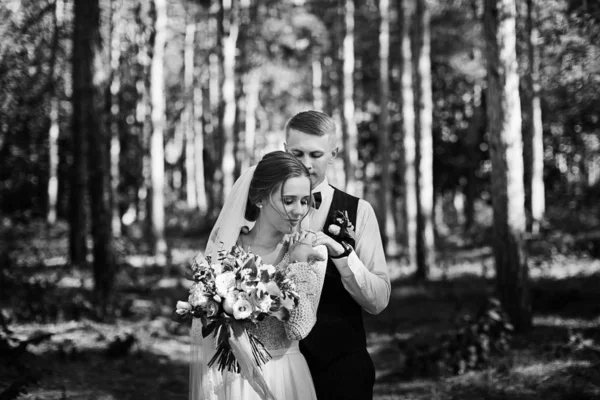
<point x="356" y="277"/>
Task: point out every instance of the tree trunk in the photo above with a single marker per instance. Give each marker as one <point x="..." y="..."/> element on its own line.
<point x="157" y="93"/>
<point x="216" y="60"/>
<point x="252" y="93"/>
<point x="202" y="200"/>
<point x="53" y="156"/>
<point x="230" y="35"/>
<point x="213" y="137"/>
<point x="174" y="151"/>
<point x="187" y="117"/>
<point x="87" y="96"/>
<point x="144" y="41"/>
<point x="533" y="142"/>
<point x="349" y="129"/>
<point x="386" y="220"/>
<point x="64" y="147"/>
<point x="114" y="86"/>
<point x="472" y="141"/>
<point x="317" y="80"/>
<point x="84" y="47"/>
<point x="54" y="131"/>
<point x="424" y="123"/>
<point x="475" y="112"/>
<point x="409" y="143"/>
<point x="506" y="152"/>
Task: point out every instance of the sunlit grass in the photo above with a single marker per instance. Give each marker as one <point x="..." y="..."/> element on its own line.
<point x="566" y="294"/>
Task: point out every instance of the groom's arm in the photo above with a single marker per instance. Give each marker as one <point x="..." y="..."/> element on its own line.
<point x="364" y="272"/>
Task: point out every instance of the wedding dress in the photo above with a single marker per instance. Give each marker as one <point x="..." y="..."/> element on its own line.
<point x="286" y="374"/>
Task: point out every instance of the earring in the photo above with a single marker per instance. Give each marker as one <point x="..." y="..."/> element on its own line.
<point x="259" y="205"/>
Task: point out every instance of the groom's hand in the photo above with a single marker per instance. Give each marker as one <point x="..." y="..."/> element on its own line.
<point x="333" y="247"/>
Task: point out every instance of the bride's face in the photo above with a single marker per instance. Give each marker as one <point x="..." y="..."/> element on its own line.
<point x="286" y="208"/>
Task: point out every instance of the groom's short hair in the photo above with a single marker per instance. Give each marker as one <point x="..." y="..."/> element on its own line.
<point x="311" y="122"/>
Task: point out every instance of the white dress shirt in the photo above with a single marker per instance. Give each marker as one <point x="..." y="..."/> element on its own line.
<point x="364" y="272"/>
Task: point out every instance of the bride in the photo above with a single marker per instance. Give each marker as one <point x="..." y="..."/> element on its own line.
<point x="276" y="196"/>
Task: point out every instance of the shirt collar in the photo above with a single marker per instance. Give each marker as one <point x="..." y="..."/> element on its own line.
<point x="323" y="187"/>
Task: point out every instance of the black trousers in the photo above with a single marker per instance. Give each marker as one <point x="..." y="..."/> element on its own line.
<point x="350" y="377"/>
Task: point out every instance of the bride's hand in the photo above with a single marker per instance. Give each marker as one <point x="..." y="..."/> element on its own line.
<point x="334" y="248"/>
<point x="301" y="247"/>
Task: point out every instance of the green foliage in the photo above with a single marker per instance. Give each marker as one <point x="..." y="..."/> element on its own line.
<point x="280" y="39"/>
<point x="31" y="52"/>
<point x="471" y="346"/>
<point x="15" y="360"/>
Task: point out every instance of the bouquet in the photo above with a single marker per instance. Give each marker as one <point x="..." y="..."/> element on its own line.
<point x="228" y="296"/>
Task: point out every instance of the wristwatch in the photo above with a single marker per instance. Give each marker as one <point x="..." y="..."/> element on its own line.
<point x="347" y="250"/>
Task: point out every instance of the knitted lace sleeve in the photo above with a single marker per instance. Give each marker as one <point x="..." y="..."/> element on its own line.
<point x="309" y="277"/>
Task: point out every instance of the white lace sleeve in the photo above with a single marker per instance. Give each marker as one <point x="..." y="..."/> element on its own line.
<point x="309" y="279"/>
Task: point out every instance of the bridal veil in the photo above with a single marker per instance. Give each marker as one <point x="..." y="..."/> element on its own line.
<point x="207" y="383"/>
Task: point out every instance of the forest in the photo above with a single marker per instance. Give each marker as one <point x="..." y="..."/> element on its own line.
<point x="471" y="126"/>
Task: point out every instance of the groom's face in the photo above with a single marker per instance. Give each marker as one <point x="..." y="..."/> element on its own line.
<point x="315" y="152"/>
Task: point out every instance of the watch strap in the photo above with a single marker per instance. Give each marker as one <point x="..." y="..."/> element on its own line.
<point x="346" y="253"/>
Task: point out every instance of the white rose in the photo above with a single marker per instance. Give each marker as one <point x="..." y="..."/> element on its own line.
<point x="183" y="307"/>
<point x="224" y="282"/>
<point x="334" y="229"/>
<point x="229" y="300"/>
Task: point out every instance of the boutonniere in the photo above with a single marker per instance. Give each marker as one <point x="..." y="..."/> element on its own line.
<point x="340" y="226"/>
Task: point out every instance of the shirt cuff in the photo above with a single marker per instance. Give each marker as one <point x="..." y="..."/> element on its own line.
<point x="344" y="265"/>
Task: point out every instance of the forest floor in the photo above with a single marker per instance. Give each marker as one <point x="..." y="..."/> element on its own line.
<point x="143" y="355"/>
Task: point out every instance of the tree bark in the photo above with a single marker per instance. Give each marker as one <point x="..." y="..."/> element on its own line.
<point x="216" y="106"/>
<point x="472" y="140"/>
<point x="187" y="117"/>
<point x="230" y="35"/>
<point x="506" y="152"/>
<point x="157" y="93"/>
<point x="533" y="140"/>
<point x="84" y="48"/>
<point x="144" y="41"/>
<point x="53" y="162"/>
<point x="88" y="93"/>
<point x="252" y="92"/>
<point x="424" y="123"/>
<point x="409" y="142"/>
<point x="386" y="219"/>
<point x="202" y="199"/>
<point x="349" y="129"/>
<point x="475" y="111"/>
<point x="114" y="86"/>
<point x="54" y="131"/>
<point x="317" y="80"/>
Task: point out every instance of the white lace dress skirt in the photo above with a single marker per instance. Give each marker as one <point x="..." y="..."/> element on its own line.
<point x="287" y="376"/>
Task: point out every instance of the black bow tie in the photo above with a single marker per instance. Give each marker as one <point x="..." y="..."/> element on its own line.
<point x="317" y="200"/>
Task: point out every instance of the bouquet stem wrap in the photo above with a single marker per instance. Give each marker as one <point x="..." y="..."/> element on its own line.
<point x="242" y="349"/>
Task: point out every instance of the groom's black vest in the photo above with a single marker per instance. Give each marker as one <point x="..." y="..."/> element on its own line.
<point x="339" y="329"/>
